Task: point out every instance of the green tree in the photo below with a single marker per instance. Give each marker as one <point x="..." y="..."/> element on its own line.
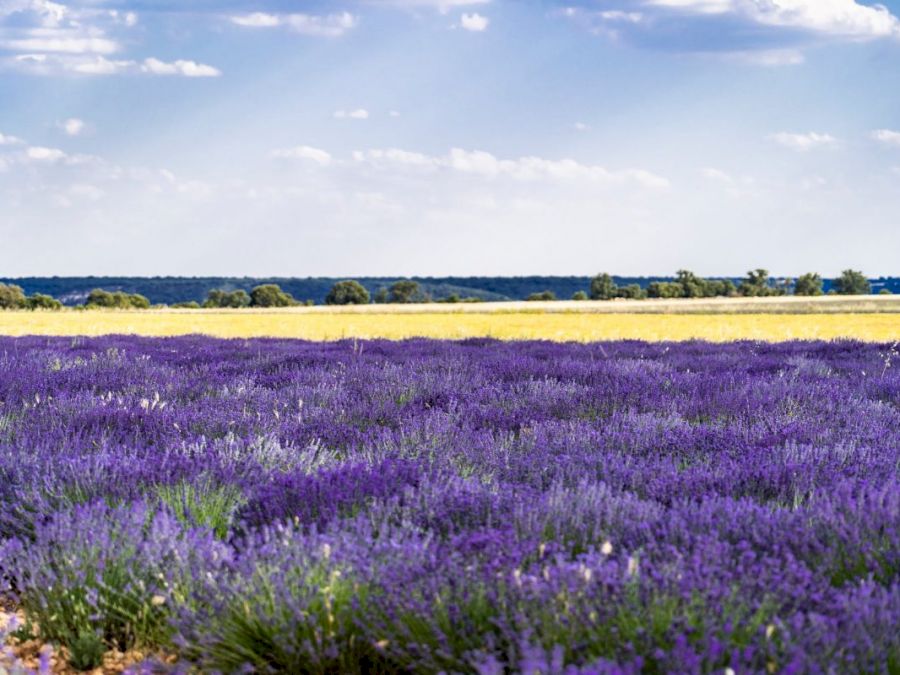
<point x="632" y="292"/>
<point x="11" y="296"/>
<point x="664" y="289"/>
<point x="579" y="295"/>
<point x="885" y="291"/>
<point x="381" y="296"/>
<point x="101" y="299"/>
<point x="190" y="304"/>
<point x="41" y="301"/>
<point x="603" y="287"/>
<point x="758" y="284"/>
<point x="232" y="299"/>
<point x="405" y="291"/>
<point x="852" y="282"/>
<point x="808" y="284"/>
<point x="347" y="293"/>
<point x="543" y="296"/>
<point x="270" y="295"/>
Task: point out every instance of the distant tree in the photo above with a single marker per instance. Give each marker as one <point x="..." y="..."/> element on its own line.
<point x="11" y="296"/>
<point x="579" y="295"/>
<point x="229" y="299"/>
<point x="631" y="292"/>
<point x="852" y="282"/>
<point x="270" y="295"/>
<point x="381" y="296"/>
<point x="603" y="287"/>
<point x="101" y="299"/>
<point x="808" y="284"/>
<point x="451" y="299"/>
<point x="347" y="293"/>
<point x="758" y="284"/>
<point x="885" y="291"/>
<point x="191" y="304"/>
<point x="543" y="296"/>
<point x="41" y="301"/>
<point x="404" y="292"/>
<point x="664" y="289"/>
<point x="692" y="286"/>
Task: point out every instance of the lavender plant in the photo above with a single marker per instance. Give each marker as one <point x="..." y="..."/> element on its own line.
<point x="475" y="506"/>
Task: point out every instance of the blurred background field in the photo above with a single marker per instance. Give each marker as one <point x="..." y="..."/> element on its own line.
<point x="870" y="319"/>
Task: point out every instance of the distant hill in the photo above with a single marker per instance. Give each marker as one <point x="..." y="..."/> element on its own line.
<point x="169" y="290"/>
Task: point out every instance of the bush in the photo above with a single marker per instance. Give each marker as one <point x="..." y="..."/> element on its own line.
<point x="270" y="295"/>
<point x="101" y="299"/>
<point x="193" y="304"/>
<point x="664" y="289"/>
<point x="885" y="291"/>
<point x="758" y="284"/>
<point x="543" y="296"/>
<point x="808" y="284"/>
<point x="603" y="287"/>
<point x="11" y="296"/>
<point x="231" y="299"/>
<point x="40" y="301"/>
<point x="348" y="293"/>
<point x="579" y="295"/>
<point x="405" y="292"/>
<point x="631" y="292"/>
<point x="852" y="282"/>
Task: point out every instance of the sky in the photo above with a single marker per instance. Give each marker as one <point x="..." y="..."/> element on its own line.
<point x="448" y="137"/>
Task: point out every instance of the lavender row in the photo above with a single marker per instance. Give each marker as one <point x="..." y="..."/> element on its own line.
<point x="474" y="507"/>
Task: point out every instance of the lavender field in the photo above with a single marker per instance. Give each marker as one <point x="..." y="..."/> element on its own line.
<point x="461" y="507"/>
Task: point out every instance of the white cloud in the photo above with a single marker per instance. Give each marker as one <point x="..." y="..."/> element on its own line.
<point x="10" y="140"/>
<point x="358" y="114"/>
<point x="303" y="152"/>
<point x="42" y="154"/>
<point x="443" y="6"/>
<point x="180" y="67"/>
<point x="887" y="136"/>
<point x="394" y="113"/>
<point x="485" y="165"/>
<point x="769" y="57"/>
<point x="581" y="126"/>
<point x="257" y="20"/>
<point x="846" y="18"/>
<point x="55" y="64"/>
<point x="72" y="126"/>
<point x="62" y="43"/>
<point x="329" y="25"/>
<point x="804" y="142"/>
<point x="474" y="22"/>
<point x="717" y="175"/>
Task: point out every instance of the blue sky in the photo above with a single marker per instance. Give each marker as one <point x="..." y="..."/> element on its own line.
<point x="432" y="137"/>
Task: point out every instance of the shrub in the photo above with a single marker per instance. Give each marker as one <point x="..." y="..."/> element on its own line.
<point x="885" y="291"/>
<point x="348" y="293"/>
<point x="192" y="304"/>
<point x="40" y="301"/>
<point x="405" y="291"/>
<point x="758" y="284"/>
<point x="270" y="295"/>
<point x="231" y="299"/>
<point x="808" y="284"/>
<point x="543" y="296"/>
<point x="11" y="296"/>
<point x="579" y="295"/>
<point x="603" y="287"/>
<point x="101" y="299"/>
<point x="852" y="282"/>
<point x="631" y="292"/>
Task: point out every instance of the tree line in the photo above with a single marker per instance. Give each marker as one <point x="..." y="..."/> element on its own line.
<point x="757" y="283"/>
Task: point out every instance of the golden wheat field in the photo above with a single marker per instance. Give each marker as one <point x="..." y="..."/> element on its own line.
<point x="506" y="324"/>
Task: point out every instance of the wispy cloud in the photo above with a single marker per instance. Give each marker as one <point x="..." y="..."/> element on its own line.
<point x="475" y="23"/>
<point x="72" y="126"/>
<point x="887" y="137"/>
<point x="303" y="152"/>
<point x="804" y="142"/>
<point x="358" y="114"/>
<point x="327" y="25"/>
<point x="57" y="64"/>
